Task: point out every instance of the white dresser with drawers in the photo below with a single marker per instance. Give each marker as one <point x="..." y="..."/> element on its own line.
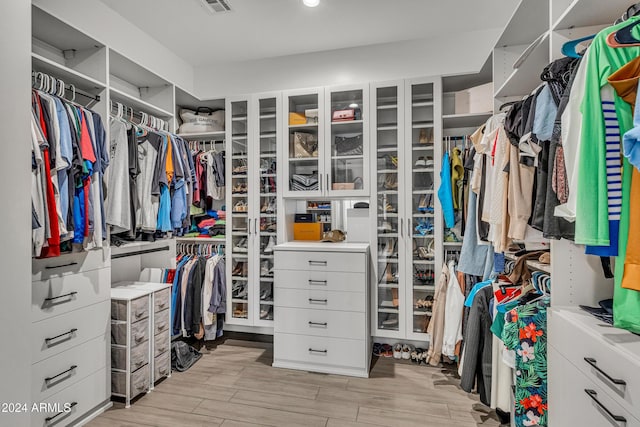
<point x="70" y="336"/>
<point x="594" y="372"/>
<point x="321" y="304"/>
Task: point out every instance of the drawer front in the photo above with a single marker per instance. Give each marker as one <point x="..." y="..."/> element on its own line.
<point x="52" y="336"/>
<point x="139" y="309"/>
<point x="139" y="382"/>
<point x="320" y="299"/>
<point x="161" y="344"/>
<point x="85" y="395"/>
<point x="161" y="300"/>
<point x="320" y="280"/>
<point x="321" y="261"/>
<point x="320" y="350"/>
<point x="139" y="356"/>
<point x="69" y="264"/>
<point x="572" y="406"/>
<point x="139" y="332"/>
<point x="576" y="344"/>
<point x="161" y="322"/>
<point x="324" y="323"/>
<point x="63" y="294"/>
<point x="162" y="366"/>
<point x="67" y="368"/>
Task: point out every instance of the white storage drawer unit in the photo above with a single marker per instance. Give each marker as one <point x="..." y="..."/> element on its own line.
<point x="159" y="322"/>
<point x="321" y="307"/>
<point x="70" y="335"/>
<point x="594" y="371"/>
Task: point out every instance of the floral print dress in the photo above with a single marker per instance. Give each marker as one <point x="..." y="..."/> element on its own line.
<point x="525" y="332"/>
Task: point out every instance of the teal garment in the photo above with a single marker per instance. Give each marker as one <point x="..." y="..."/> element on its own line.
<point x="445" y="193"/>
<point x="525" y="332"/>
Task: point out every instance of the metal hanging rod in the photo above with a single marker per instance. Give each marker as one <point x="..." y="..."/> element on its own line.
<point x="141" y="252"/>
<point x="55" y="86"/>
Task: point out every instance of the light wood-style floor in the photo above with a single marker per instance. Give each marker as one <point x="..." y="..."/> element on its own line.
<point x="234" y="385"/>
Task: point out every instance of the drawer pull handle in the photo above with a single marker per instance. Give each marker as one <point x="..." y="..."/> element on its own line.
<point x="321" y="301"/>
<point x="49" y="419"/>
<point x="620" y="420"/>
<point x="162" y="305"/>
<point x="317" y="351"/>
<point x="139" y="338"/>
<point x="48" y="379"/>
<point x="317" y="324"/>
<point x="163" y="371"/>
<point x="51" y="267"/>
<point x="318" y="282"/>
<point x="594" y="364"/>
<point x="318" y="263"/>
<point x="71" y="332"/>
<point x="162" y="326"/>
<point x="69" y="295"/>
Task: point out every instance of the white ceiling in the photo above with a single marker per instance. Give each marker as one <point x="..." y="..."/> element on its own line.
<point x="258" y="29"/>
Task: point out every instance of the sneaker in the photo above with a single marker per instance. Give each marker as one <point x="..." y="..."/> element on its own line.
<point x="241" y="246"/>
<point x="450" y="236"/>
<point x="386" y="227"/>
<point x="264" y="268"/>
<point x="397" y="351"/>
<point x="270" y="245"/>
<point x="421" y="162"/>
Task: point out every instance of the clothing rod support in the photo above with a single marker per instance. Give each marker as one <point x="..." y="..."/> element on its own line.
<point x="141" y="252"/>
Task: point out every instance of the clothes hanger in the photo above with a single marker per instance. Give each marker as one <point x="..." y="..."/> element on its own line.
<point x="624" y="35"/>
<point x="569" y="48"/>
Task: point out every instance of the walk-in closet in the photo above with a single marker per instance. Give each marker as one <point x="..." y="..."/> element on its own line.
<point x="320" y="213"/>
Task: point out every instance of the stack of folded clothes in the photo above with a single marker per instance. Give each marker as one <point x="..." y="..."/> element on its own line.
<point x="303" y="182"/>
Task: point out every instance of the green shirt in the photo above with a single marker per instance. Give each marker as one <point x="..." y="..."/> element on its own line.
<point x="592" y="210"/>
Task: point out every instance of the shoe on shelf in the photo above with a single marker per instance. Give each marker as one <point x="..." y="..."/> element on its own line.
<point x="264" y="268"/>
<point x="387" y="350"/>
<point x="241" y="246"/>
<point x="394" y="296"/>
<point x="391" y="182"/>
<point x="386" y="227"/>
<point x="241" y="206"/>
<point x="266" y="295"/>
<point x="389" y="249"/>
<point x="421" y="162"/>
<point x="429" y="161"/>
<point x="270" y="245"/>
<point x="397" y="351"/>
<point x="450" y="236"/>
<point x="406" y="351"/>
<point x="271" y="206"/>
<point x="237" y="269"/>
<point x="377" y="349"/>
<point x="264" y="313"/>
<point x="390" y="323"/>
<point x="245" y="269"/>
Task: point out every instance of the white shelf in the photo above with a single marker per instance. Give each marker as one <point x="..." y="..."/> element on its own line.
<point x="346" y="122"/>
<point x="203" y="136"/>
<point x="422" y="313"/>
<point x="239" y="118"/>
<point x="423" y="170"/>
<point x="423" y="147"/>
<point x="388" y="285"/>
<point x="388" y="260"/>
<point x="424" y="288"/>
<point x="387" y="215"/>
<point x="452" y="121"/>
<point x="423" y="215"/>
<point x="387" y="149"/>
<point x="388" y="107"/>
<point x="424" y="261"/>
<point x="239" y="156"/>
<point x="359" y="156"/>
<point x="587" y="13"/>
<point x="269" y="156"/>
<point x="388" y="310"/>
<point x="388" y="235"/>
<point x="422" y="125"/>
<point x="388" y="171"/>
<point x="423" y="192"/>
<point x="218" y="240"/>
<point x="459" y="244"/>
<point x="383" y="192"/>
<point x="422" y="104"/>
<point x="267" y="116"/>
<point x="529" y="20"/>
<point x="138" y="104"/>
<point x="268" y="135"/>
<point x="526" y="78"/>
<point x="66" y="74"/>
<point x="262" y="302"/>
<point x="239" y="301"/>
<point x="304" y="159"/>
<point x="305" y="126"/>
<point x="387" y="127"/>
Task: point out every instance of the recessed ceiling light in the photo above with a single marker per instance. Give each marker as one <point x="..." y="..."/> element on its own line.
<point x="311" y="3"/>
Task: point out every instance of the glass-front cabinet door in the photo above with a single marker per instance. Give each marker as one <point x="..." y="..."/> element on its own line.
<point x="347" y="110"/>
<point x="265" y="226"/>
<point x="239" y="264"/>
<point x="420" y="174"/>
<point x="387" y="204"/>
<point x="304" y="129"/>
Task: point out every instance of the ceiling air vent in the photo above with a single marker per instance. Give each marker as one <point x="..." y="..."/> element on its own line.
<point x="217" y="6"/>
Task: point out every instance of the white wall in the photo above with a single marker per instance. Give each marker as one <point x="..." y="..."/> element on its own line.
<point x="15" y="224"/>
<point x="449" y="54"/>
<point x="105" y="25"/>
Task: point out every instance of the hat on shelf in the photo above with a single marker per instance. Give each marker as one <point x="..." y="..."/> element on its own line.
<point x="333" y="236"/>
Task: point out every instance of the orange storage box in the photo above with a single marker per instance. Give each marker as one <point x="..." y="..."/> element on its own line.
<point x="297" y="119"/>
<point x="307" y="231"/>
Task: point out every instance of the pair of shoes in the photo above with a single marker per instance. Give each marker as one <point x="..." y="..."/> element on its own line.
<point x="426" y="303"/>
<point x="238" y="268"/>
<point x="241" y="206"/>
<point x="240" y="170"/>
<point x="269" y="206"/>
<point x="387" y="350"/>
<point x="402" y="351"/>
<point x="425" y="137"/>
<point x="241" y="246"/>
<point x="389" y="323"/>
<point x="239" y="290"/>
<point x="266" y="313"/>
<point x="418" y="356"/>
<point x="424" y="227"/>
<point x="377" y="349"/>
<point x="424" y="205"/>
<point x="391" y="182"/>
<point x="239" y="189"/>
<point x="424" y="163"/>
<point x="264" y="268"/>
<point x="450" y="236"/>
<point x="266" y="295"/>
<point x="424" y="253"/>
<point x="389" y="250"/>
<point x="270" y="245"/>
<point x="386" y="227"/>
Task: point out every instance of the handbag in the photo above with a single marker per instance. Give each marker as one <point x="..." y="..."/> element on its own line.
<point x="343" y="115"/>
<point x="304" y="145"/>
<point x="348" y="146"/>
<point x="203" y="119"/>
